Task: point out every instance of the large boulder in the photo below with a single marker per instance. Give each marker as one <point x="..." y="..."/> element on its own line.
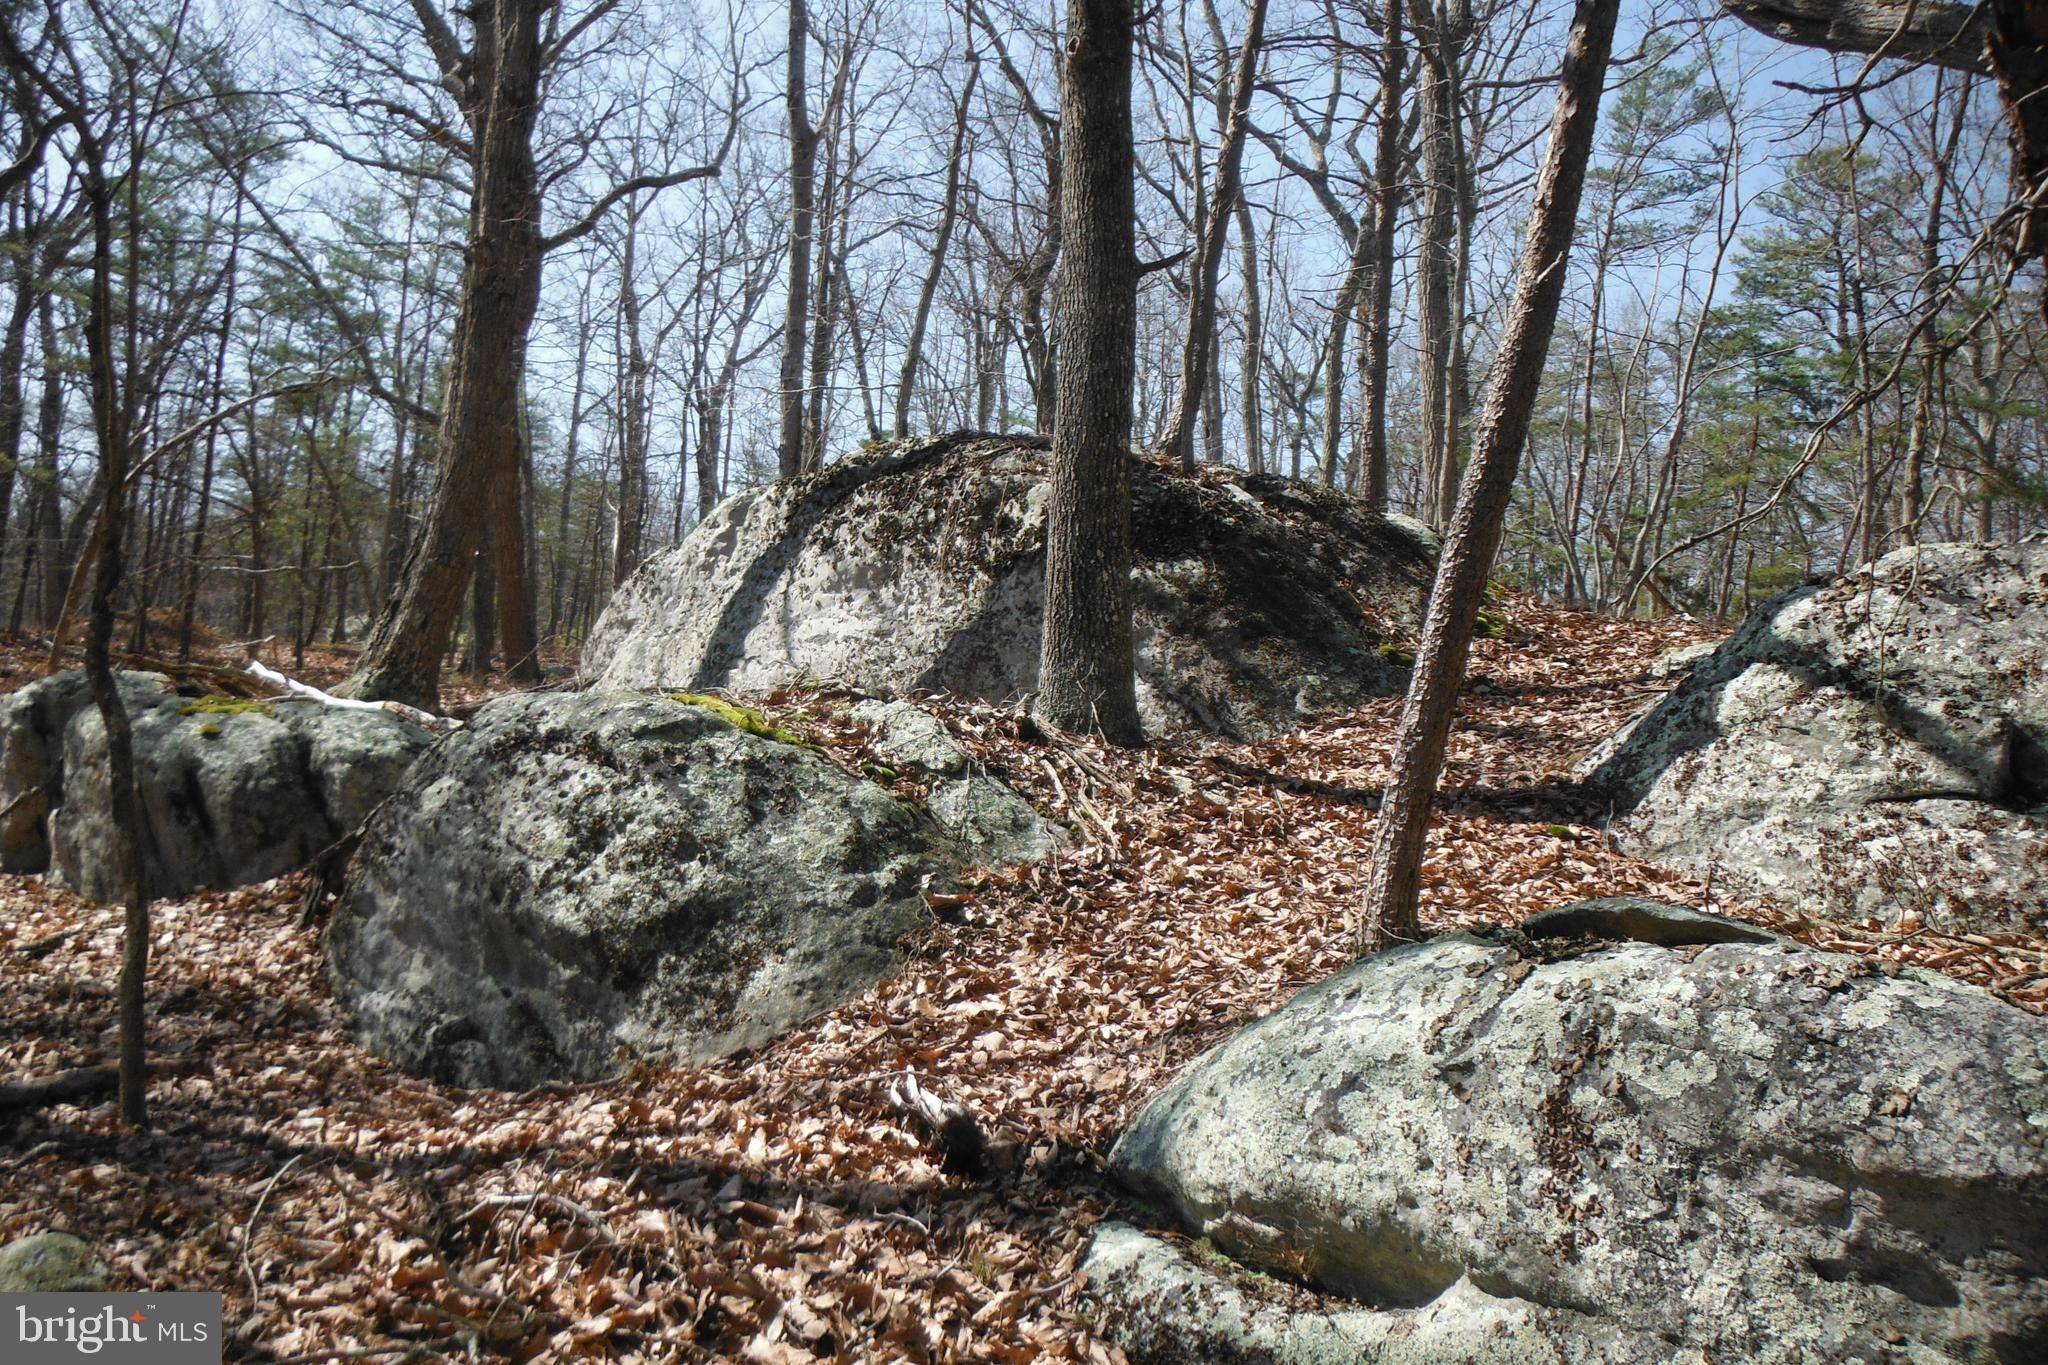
<point x="232" y="791"/>
<point x="576" y="880"/>
<point x="1501" y="1148"/>
<point x="1260" y="602"/>
<point x="1873" y="745"/>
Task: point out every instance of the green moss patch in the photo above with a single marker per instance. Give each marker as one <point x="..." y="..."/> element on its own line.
<point x="1397" y="656"/>
<point x="225" y="706"/>
<point x="740" y="717"/>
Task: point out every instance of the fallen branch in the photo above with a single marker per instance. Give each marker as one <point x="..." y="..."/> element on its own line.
<point x="86" y="1082"/>
<point x="426" y="720"/>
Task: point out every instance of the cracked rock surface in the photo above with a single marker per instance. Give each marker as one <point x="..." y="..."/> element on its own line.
<point x="1872" y="746"/>
<point x="1504" y="1148"/>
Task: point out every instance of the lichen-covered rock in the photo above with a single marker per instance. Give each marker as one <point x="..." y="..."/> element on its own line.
<point x="575" y="880"/>
<point x="33" y="720"/>
<point x="1872" y="746"/>
<point x="51" y="1263"/>
<point x="920" y="567"/>
<point x="1745" y="1151"/>
<point x="993" y="823"/>
<point x="232" y="792"/>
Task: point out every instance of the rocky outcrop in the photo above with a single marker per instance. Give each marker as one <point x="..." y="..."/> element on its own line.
<point x="232" y="791"/>
<point x="920" y="566"/>
<point x="1867" y="747"/>
<point x="1499" y="1148"/>
<point x="577" y="880"/>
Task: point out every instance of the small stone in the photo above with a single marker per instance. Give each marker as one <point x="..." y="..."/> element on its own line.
<point x="51" y="1263"/>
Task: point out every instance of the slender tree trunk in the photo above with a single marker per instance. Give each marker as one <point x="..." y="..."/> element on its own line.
<point x="1085" y="674"/>
<point x="1488" y="486"/>
<point x="949" y="214"/>
<point x="1436" y="249"/>
<point x="1379" y="294"/>
<point x="1336" y="349"/>
<point x="803" y="156"/>
<point x="42" y="538"/>
<point x="564" y="503"/>
<point x="1917" y="440"/>
<point x="13" y="400"/>
<point x="1249" y="363"/>
<point x="1200" y="335"/>
<point x="188" y="606"/>
<point x="629" y="529"/>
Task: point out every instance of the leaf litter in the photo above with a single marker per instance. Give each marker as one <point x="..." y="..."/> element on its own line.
<point x="776" y="1207"/>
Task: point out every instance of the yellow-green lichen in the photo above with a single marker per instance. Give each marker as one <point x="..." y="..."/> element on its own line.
<point x="224" y="706"/>
<point x="740" y="717"/>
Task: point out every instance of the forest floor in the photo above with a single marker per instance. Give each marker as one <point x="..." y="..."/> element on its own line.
<point x="774" y="1207"/>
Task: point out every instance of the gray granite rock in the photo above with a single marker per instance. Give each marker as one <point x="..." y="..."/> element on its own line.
<point x="1873" y="746"/>
<point x="51" y="1263"/>
<point x="578" y="880"/>
<point x="232" y="792"/>
<point x="1621" y="1152"/>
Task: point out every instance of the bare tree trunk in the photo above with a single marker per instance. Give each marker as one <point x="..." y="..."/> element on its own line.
<point x="1436" y="270"/>
<point x="1085" y="675"/>
<point x="42" y="537"/>
<point x="629" y="528"/>
<point x="1914" y="497"/>
<point x="1379" y="297"/>
<point x="1200" y="335"/>
<point x="1254" y="343"/>
<point x="1475" y="532"/>
<point x="803" y="156"/>
<point x="188" y="606"/>
<point x="949" y="214"/>
<point x="479" y="437"/>
<point x="13" y="400"/>
<point x="570" y="447"/>
<point x="1336" y="351"/>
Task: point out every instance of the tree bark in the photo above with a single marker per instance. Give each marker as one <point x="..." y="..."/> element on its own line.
<point x="1436" y="267"/>
<point x="1379" y="296"/>
<point x="1254" y="343"/>
<point x="1475" y="532"/>
<point x="803" y="156"/>
<point x="479" y="437"/>
<point x="1086" y="680"/>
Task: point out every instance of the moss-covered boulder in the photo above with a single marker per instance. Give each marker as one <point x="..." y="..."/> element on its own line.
<point x="577" y="880"/>
<point x="1261" y="603"/>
